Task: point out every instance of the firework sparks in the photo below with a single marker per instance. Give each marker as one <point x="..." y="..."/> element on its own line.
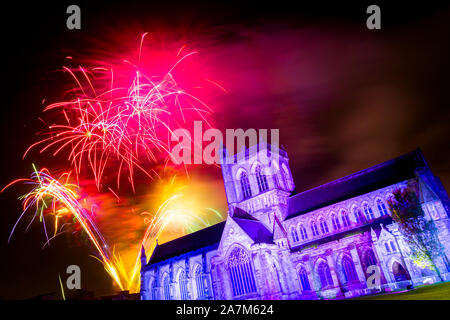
<point x="131" y="125"/>
<point x="117" y="124"/>
<point x="58" y="198"/>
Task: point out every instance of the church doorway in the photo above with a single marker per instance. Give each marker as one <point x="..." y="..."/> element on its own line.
<point x="400" y="273"/>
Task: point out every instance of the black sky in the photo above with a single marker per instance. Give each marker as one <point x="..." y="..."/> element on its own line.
<point x="350" y="97"/>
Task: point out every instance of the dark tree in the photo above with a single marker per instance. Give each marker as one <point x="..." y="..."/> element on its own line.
<point x="420" y="233"/>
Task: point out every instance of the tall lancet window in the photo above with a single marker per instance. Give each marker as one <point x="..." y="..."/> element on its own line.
<point x="358" y="215"/>
<point x="336" y="223"/>
<point x="368" y="212"/>
<point x="381" y="207"/>
<point x="345" y="218"/>
<point x="199" y="283"/>
<point x="349" y="269"/>
<point x="324" y="226"/>
<point x="294" y="235"/>
<point x="154" y="290"/>
<point x="370" y="260"/>
<point x="166" y="287"/>
<point x="245" y="185"/>
<point x="304" y="279"/>
<point x="303" y="233"/>
<point x="314" y="229"/>
<point x="261" y="179"/>
<point x="324" y="275"/>
<point x="241" y="273"/>
<point x="183" y="282"/>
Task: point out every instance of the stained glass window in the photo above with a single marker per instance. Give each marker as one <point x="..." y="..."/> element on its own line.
<point x="241" y="273"/>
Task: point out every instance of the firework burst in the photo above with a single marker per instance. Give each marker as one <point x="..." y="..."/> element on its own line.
<point x="128" y="127"/>
<point x="60" y="200"/>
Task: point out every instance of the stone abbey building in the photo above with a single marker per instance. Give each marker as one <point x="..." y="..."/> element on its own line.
<point x="318" y="244"/>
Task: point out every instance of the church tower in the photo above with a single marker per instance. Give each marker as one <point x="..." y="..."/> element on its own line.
<point x="258" y="180"/>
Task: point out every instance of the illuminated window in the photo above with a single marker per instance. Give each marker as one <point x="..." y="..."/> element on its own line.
<point x="393" y="247"/>
<point x="368" y="212"/>
<point x="245" y="185"/>
<point x="324" y="275"/>
<point x="348" y="267"/>
<point x="241" y="273"/>
<point x="303" y="232"/>
<point x="323" y="226"/>
<point x="387" y="247"/>
<point x="199" y="283"/>
<point x="183" y="282"/>
<point x="304" y="280"/>
<point x="294" y="235"/>
<point x="315" y="231"/>
<point x="358" y="215"/>
<point x="369" y="259"/>
<point x="336" y="223"/>
<point x="381" y="207"/>
<point x="154" y="290"/>
<point x="166" y="287"/>
<point x="261" y="179"/>
<point x="345" y="219"/>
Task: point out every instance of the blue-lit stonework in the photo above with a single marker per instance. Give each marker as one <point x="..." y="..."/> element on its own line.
<point x="317" y="244"/>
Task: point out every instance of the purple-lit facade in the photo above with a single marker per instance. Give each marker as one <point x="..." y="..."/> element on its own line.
<point x="317" y="244"/>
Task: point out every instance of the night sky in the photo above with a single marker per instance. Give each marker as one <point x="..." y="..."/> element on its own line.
<point x="344" y="97"/>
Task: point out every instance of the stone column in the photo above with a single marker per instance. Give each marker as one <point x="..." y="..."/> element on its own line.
<point x="332" y="267"/>
<point x="188" y="277"/>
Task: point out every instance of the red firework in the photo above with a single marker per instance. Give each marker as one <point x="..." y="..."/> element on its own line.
<point x="127" y="126"/>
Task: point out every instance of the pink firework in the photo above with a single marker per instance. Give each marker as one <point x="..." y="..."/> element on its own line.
<point x="127" y="127"/>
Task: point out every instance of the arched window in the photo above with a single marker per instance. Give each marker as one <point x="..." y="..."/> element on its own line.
<point x="183" y="282"/>
<point x="166" y="287"/>
<point x="387" y="247"/>
<point x="368" y="212"/>
<point x="315" y="231"/>
<point x="303" y="232"/>
<point x="241" y="273"/>
<point x="369" y="259"/>
<point x="324" y="275"/>
<point x="345" y="218"/>
<point x="336" y="223"/>
<point x="261" y="179"/>
<point x="154" y="290"/>
<point x="303" y="275"/>
<point x="294" y="235"/>
<point x="381" y="207"/>
<point x="393" y="247"/>
<point x="245" y="185"/>
<point x="358" y="215"/>
<point x="348" y="267"/>
<point x="323" y="226"/>
<point x="199" y="283"/>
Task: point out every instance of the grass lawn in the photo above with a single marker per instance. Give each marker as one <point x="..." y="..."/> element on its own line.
<point x="439" y="291"/>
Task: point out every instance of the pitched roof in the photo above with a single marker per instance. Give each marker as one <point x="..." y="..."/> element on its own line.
<point x="193" y="241"/>
<point x="254" y="228"/>
<point x="371" y="179"/>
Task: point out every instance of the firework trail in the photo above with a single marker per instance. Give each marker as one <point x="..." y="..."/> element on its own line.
<point x="172" y="212"/>
<point x="60" y="198"/>
<point x="112" y="122"/>
<point x="130" y="125"/>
